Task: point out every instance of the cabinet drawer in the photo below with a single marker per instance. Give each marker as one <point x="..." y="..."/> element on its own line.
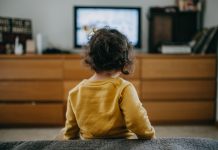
<point x="31" y="90"/>
<point x="178" y="89"/>
<point x="180" y="111"/>
<point x="37" y="114"/>
<point x="157" y="68"/>
<point x="30" y="69"/>
<point x="74" y="69"/>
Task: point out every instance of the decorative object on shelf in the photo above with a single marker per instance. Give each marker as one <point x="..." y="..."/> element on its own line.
<point x="190" y="5"/>
<point x="18" y="47"/>
<point x="39" y="43"/>
<point x="30" y="47"/>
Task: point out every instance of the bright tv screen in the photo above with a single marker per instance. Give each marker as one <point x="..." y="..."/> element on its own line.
<point x="125" y="19"/>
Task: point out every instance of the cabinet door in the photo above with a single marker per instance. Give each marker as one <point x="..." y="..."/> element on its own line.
<point x="182" y="68"/>
<point x="178" y="90"/>
<point x="31" y="91"/>
<point x="75" y="70"/>
<point x="32" y="114"/>
<point x="188" y="112"/>
<point x="27" y="69"/>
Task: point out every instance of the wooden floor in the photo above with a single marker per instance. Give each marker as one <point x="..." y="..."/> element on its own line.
<point x="26" y="134"/>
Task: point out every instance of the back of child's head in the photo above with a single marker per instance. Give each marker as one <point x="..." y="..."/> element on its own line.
<point x="109" y="50"/>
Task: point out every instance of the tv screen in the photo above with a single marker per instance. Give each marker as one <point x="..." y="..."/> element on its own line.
<point x="125" y="19"/>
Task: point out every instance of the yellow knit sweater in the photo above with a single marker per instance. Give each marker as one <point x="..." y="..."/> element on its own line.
<point x="107" y="108"/>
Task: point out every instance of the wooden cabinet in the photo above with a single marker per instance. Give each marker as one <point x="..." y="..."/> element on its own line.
<point x="179" y="88"/>
<point x="173" y="88"/>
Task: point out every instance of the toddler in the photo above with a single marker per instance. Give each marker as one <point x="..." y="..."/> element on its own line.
<point x="105" y="105"/>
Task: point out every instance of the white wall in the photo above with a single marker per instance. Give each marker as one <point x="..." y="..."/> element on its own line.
<point x="211" y="17"/>
<point x="217" y="91"/>
<point x="54" y="18"/>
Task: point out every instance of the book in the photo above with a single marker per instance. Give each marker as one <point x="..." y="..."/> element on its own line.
<point x="213" y="46"/>
<point x="205" y="41"/>
<point x="196" y="48"/>
<point x="209" y="40"/>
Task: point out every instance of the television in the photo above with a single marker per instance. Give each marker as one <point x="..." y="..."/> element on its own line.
<point x="125" y="19"/>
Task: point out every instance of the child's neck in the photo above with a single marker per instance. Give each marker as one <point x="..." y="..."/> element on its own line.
<point x="105" y="75"/>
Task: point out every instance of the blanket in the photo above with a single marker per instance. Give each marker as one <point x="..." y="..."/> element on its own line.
<point x="115" y="144"/>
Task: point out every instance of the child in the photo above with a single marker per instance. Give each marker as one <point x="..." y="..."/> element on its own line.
<point x="105" y="105"/>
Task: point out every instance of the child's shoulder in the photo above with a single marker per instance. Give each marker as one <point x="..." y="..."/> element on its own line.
<point x="122" y="83"/>
<point x="77" y="86"/>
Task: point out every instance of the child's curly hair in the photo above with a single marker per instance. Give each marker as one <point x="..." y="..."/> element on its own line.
<point x="109" y="50"/>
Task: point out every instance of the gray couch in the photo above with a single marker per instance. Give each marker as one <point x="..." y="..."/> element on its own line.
<point x="115" y="144"/>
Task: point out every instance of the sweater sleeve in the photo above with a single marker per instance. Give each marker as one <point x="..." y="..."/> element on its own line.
<point x="71" y="127"/>
<point x="135" y="115"/>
